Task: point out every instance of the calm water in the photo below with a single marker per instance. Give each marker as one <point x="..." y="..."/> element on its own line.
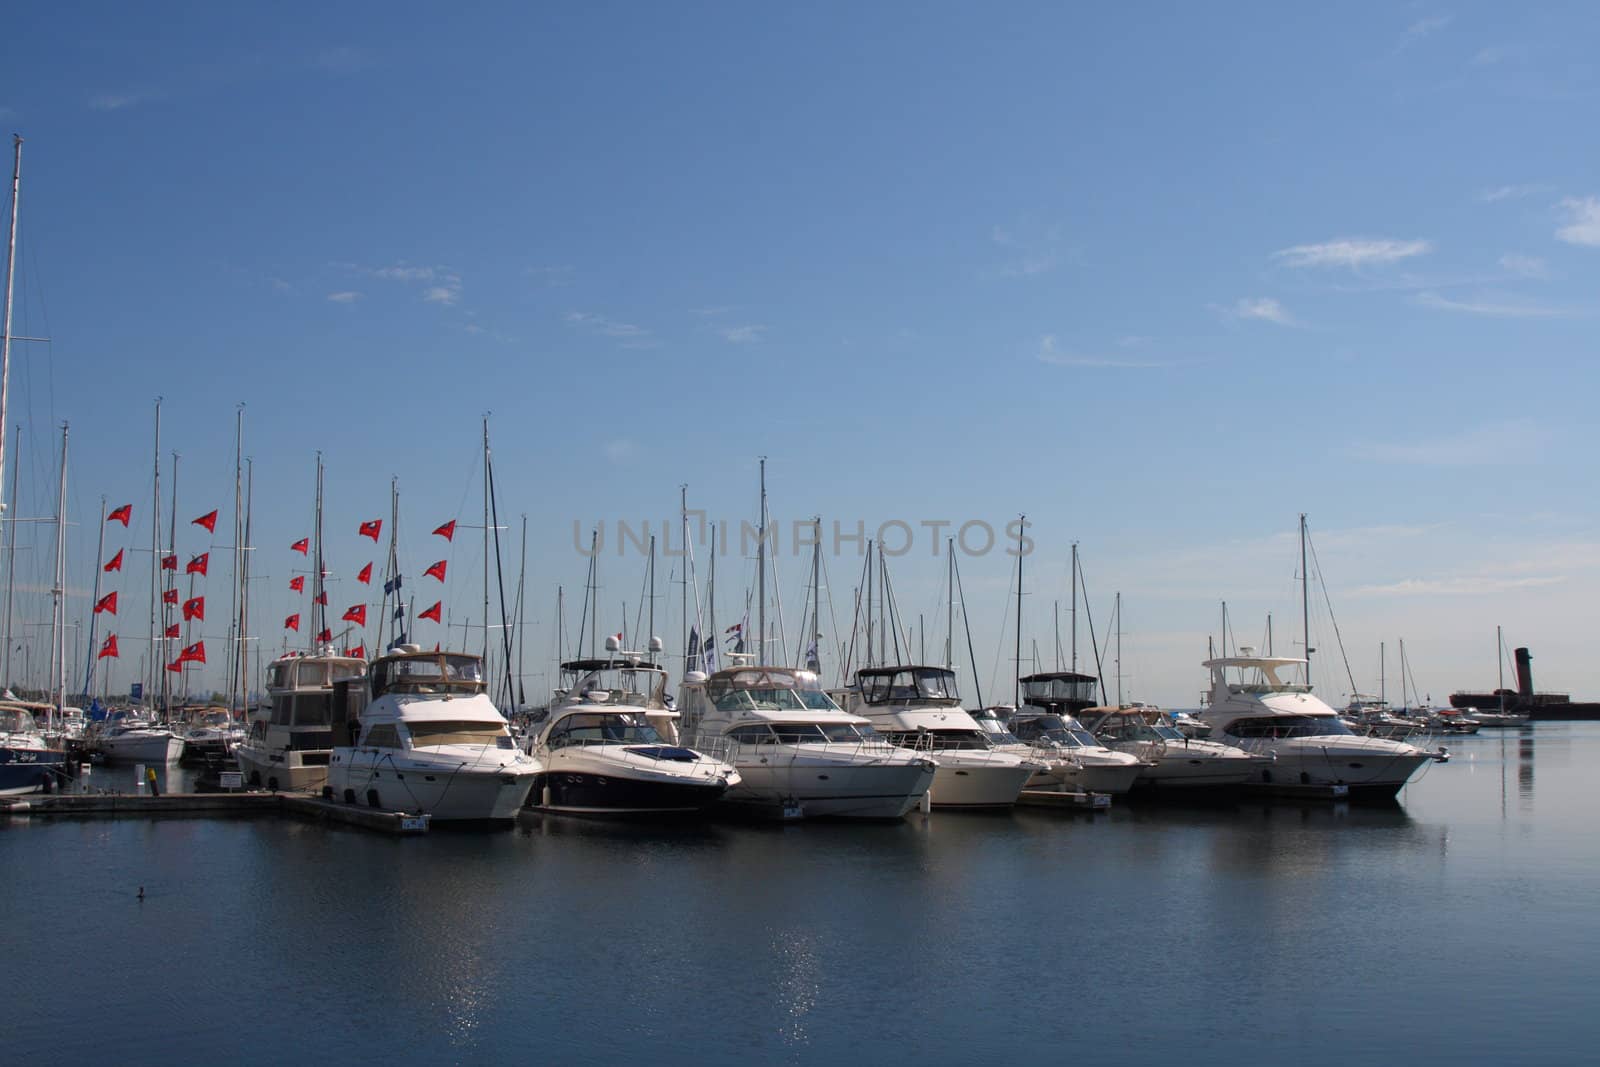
<point x="1461" y="926"/>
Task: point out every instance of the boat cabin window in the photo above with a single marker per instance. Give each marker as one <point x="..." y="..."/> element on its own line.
<point x="1066" y="732"/>
<point x="752" y="735"/>
<point x="914" y="684"/>
<point x="1283" y="726"/>
<point x="453" y="732"/>
<point x="15" y="721"/>
<point x="311" y="709"/>
<point x="639" y="685"/>
<point x="445" y="672"/>
<point x="817" y="700"/>
<point x="939" y="740"/>
<point x="996" y="730"/>
<point x="382" y="735"/>
<point x="1082" y="690"/>
<point x="755" y="699"/>
<point x="588" y="728"/>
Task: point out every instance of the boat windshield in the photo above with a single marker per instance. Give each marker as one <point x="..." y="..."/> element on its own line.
<point x="607" y="728"/>
<point x="445" y="672"/>
<point x="1081" y="688"/>
<point x="909" y="684"/>
<point x="817" y="700"/>
<point x="1168" y="733"/>
<point x="753" y="699"/>
<point x="16" y="721"/>
<point x="1068" y="733"/>
<point x="940" y="740"/>
<point x="434" y="733"/>
<point x="1126" y="728"/>
<point x="803" y="733"/>
<point x="1282" y="726"/>
<point x="996" y="730"/>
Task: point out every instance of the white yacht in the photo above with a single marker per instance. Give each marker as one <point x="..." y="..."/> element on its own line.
<point x="797" y="753"/>
<point x="608" y="746"/>
<point x="126" y="737"/>
<point x="918" y="708"/>
<point x="27" y="763"/>
<point x="1173" y="761"/>
<point x="1045" y="719"/>
<point x="289" y="740"/>
<point x="431" y="742"/>
<point x="1316" y="754"/>
<point x="211" y="735"/>
<point x="1056" y="771"/>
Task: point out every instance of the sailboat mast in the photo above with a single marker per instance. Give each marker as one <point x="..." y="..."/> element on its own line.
<point x="99" y="561"/>
<point x="761" y="573"/>
<point x="814" y="651"/>
<point x="236" y="595"/>
<point x="949" y="603"/>
<point x="486" y="545"/>
<point x="869" y="661"/>
<point x="1016" y="688"/>
<point x="172" y="550"/>
<point x="1382" y="669"/>
<point x="711" y="606"/>
<point x="1305" y="600"/>
<point x="522" y="622"/>
<point x="1119" y="649"/>
<point x="158" y="646"/>
<point x="650" y="613"/>
<point x="5" y="329"/>
<point x="1074" y="607"/>
<point x="58" y="591"/>
<point x="244" y="588"/>
<point x="683" y="576"/>
<point x="1500" y="667"/>
<point x="11" y="563"/>
<point x="319" y="612"/>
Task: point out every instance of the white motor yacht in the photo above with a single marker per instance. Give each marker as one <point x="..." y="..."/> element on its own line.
<point x="289" y="741"/>
<point x="1045" y="719"/>
<point x="798" y="753"/>
<point x="28" y="764"/>
<point x="918" y="708"/>
<point x="211" y="735"/>
<point x="431" y="742"/>
<point x="126" y="737"/>
<point x="608" y="746"/>
<point x="1316" y="754"/>
<point x="1173" y="762"/>
<point x="1055" y="769"/>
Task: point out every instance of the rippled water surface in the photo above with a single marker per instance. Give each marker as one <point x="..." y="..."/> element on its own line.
<point x="1461" y="926"/>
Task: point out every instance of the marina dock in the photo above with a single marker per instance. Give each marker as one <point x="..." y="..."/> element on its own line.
<point x="207" y="805"/>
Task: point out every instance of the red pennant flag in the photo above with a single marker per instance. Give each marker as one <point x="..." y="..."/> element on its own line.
<point x="169" y="597"/>
<point x="194" y="608"/>
<point x="364" y="575"/>
<point x="169" y="563"/>
<point x="176" y="667"/>
<point x="357" y="615"/>
<point x="433" y="612"/>
<point x="109" y="648"/>
<point x="301" y="546"/>
<point x="359" y="652"/>
<point x="292" y="623"/>
<point x="370" y="529"/>
<point x="195" y="653"/>
<point x="326" y="635"/>
<point x="447" y="531"/>
<point x="174" y="630"/>
<point x="436" y="571"/>
<point x="106" y="603"/>
<point x="115" y="563"/>
<point x="322" y="598"/>
<point x="298" y="583"/>
<point x="122" y="514"/>
<point x="209" y="521"/>
<point x="198" y="564"/>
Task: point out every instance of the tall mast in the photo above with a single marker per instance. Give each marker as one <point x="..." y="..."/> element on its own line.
<point x="650" y="613"/>
<point x="949" y="603"/>
<point x="236" y="595"/>
<point x="1074" y="607"/>
<point x="1055" y="614"/>
<point x="244" y="588"/>
<point x="1119" y="648"/>
<point x="99" y="561"/>
<point x="522" y="622"/>
<point x="1382" y="666"/>
<point x="157" y="650"/>
<point x="561" y="625"/>
<point x="683" y="571"/>
<point x="1500" y="666"/>
<point x="319" y="610"/>
<point x="172" y="550"/>
<point x="486" y="545"/>
<point x="1305" y="599"/>
<point x="761" y="573"/>
<point x="5" y="329"/>
<point x="869" y="660"/>
<point x="11" y="562"/>
<point x="1016" y="688"/>
<point x="711" y="603"/>
<point x="58" y="591"/>
<point x="814" y="649"/>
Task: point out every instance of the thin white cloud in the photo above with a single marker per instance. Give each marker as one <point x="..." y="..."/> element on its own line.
<point x="1028" y="266"/>
<point x="710" y="312"/>
<point x="1514" y="441"/>
<point x="346" y="296"/>
<point x="1132" y="340"/>
<point x="1465" y="585"/>
<point x="623" y="331"/>
<point x="1032" y="252"/>
<point x="1051" y="354"/>
<point x="442" y="294"/>
<point x="1503" y="309"/>
<point x="619" y="450"/>
<point x="112" y="101"/>
<point x="1423" y="27"/>
<point x="1352" y="252"/>
<point x="1509" y="192"/>
<point x="1264" y="309"/>
<point x="403" y="272"/>
<point x="741" y="335"/>
<point x="1583" y="221"/>
<point x="1524" y="266"/>
<point x="1499" y="53"/>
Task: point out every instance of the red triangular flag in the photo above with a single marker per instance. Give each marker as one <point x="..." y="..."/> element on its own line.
<point x="436" y="571"/>
<point x="109" y="648"/>
<point x="208" y="520"/>
<point x="170" y="596"/>
<point x="301" y="546"/>
<point x="106" y="603"/>
<point x="326" y="635"/>
<point x="322" y="598"/>
<point x="194" y="608"/>
<point x="292" y="623"/>
<point x="169" y="563"/>
<point x="359" y="652"/>
<point x="433" y="612"/>
<point x="122" y="514"/>
<point x="357" y="615"/>
<point x="195" y="653"/>
<point x="198" y="564"/>
<point x="298" y="583"/>
<point x="114" y="563"/>
<point x="447" y="531"/>
<point x="364" y="575"/>
<point x="176" y="667"/>
<point x="370" y="529"/>
<point x="174" y="630"/>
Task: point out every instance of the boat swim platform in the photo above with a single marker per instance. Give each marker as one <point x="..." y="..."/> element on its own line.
<point x="1062" y="801"/>
<point x="209" y="805"/>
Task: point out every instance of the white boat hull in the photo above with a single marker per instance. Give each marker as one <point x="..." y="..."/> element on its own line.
<point x="283" y="771"/>
<point x="155" y="748"/>
<point x="449" y="793"/>
<point x="820" y="788"/>
<point x="1358" y="767"/>
<point x="977" y="783"/>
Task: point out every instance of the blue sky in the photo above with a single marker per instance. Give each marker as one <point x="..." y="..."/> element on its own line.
<point x="1160" y="276"/>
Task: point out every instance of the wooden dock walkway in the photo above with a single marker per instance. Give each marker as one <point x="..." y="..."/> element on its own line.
<point x="208" y="805"/>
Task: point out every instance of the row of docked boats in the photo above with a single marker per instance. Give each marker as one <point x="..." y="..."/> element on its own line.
<point x="415" y="731"/>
